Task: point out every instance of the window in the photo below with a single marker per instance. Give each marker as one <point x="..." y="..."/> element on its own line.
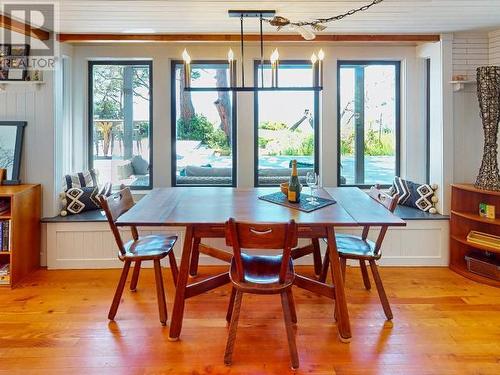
<point x="120" y="115"/>
<point x="368" y="114"/>
<point x="286" y="124"/>
<point x="203" y="147"/>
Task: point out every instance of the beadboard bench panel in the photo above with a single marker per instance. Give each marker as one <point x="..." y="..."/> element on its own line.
<point x="90" y="245"/>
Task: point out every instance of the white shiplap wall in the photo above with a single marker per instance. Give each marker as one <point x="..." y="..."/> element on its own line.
<point x="494" y="47"/>
<point x="470" y="50"/>
<point x="34" y="104"/>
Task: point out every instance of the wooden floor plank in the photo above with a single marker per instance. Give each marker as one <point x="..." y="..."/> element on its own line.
<point x="55" y="323"/>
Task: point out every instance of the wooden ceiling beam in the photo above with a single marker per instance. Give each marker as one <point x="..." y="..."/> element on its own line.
<point x="86" y="38"/>
<point x="23" y="28"/>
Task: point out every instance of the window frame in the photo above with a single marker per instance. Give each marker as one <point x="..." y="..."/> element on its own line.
<point x="173" y="126"/>
<point x="316" y="115"/>
<point x="397" y="66"/>
<point x="90" y="103"/>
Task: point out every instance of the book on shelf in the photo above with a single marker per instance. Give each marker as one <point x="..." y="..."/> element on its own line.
<point x="4" y="206"/>
<point x="4" y="235"/>
<point x="4" y="273"/>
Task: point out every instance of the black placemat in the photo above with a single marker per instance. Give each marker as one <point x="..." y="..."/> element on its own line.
<point x="303" y="205"/>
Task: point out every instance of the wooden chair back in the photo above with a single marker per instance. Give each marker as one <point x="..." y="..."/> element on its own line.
<point x="389" y="202"/>
<point x="114" y="206"/>
<point x="261" y="236"/>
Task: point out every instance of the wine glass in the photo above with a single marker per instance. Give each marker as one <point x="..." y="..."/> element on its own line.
<point x="312" y="181"/>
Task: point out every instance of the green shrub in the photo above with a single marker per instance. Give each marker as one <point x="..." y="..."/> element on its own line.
<point x="197" y="128"/>
<point x="268" y="125"/>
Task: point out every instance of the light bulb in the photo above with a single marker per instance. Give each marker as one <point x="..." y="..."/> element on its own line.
<point x="186" y="57"/>
<point x="230" y="55"/>
<point x="321" y="55"/>
<point x="275" y="56"/>
<point x="314" y="58"/>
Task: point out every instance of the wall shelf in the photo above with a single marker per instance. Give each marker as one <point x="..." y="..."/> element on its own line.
<point x="460" y="85"/>
<point x="465" y="200"/>
<point x="5" y="84"/>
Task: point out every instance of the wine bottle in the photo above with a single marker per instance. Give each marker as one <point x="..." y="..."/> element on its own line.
<point x="294" y="185"/>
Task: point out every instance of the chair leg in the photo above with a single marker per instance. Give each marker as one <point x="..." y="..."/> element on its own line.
<point x="317" y="256"/>
<point x="231" y="305"/>
<point x="160" y="292"/>
<point x="289" y="330"/>
<point x="119" y="291"/>
<point x="135" y="276"/>
<point x="195" y="256"/>
<point x="343" y="266"/>
<point x="291" y="302"/>
<point x="173" y="266"/>
<point x="228" y="355"/>
<point x="364" y="273"/>
<point x="324" y="269"/>
<point x="380" y="289"/>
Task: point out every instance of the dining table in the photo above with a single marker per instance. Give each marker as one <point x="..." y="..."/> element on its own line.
<point x="203" y="211"/>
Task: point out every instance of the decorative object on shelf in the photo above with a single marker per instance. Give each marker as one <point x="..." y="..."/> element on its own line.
<point x="488" y="92"/>
<point x="11" y="144"/>
<point x="262" y="15"/>
<point x="308" y="28"/>
<point x="486" y="265"/>
<point x="81" y="192"/>
<point x="35" y="76"/>
<point x="487" y="210"/>
<point x="411" y="194"/>
<point x="484" y="239"/>
<point x="3" y="173"/>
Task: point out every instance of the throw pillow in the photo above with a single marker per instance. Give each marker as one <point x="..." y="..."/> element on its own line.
<point x="80" y="199"/>
<point x="415" y="195"/>
<point x="81" y="179"/>
<point x="141" y="166"/>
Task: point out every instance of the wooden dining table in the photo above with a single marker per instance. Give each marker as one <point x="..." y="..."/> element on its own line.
<point x="203" y="212"/>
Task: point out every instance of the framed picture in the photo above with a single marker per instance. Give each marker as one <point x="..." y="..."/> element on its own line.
<point x="19" y="49"/>
<point x="4" y="61"/>
<point x="11" y="143"/>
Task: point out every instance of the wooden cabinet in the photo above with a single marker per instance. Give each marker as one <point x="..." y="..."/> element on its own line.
<point x="465" y="200"/>
<point x="23" y="255"/>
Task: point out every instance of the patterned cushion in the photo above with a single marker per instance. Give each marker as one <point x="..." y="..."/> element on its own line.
<point x="81" y="199"/>
<point x="81" y="179"/>
<point x="415" y="195"/>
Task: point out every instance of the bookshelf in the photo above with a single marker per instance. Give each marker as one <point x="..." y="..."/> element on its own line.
<point x="464" y="218"/>
<point x="23" y="217"/>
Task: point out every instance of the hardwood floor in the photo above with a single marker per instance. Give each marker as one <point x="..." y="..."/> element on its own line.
<point x="56" y="323"/>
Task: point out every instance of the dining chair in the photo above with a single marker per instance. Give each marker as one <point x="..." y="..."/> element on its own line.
<point x="364" y="250"/>
<point x="261" y="274"/>
<point x="138" y="250"/>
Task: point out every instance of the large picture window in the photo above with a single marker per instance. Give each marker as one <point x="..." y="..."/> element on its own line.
<point x="204" y="127"/>
<point x="120" y="116"/>
<point x="286" y="124"/>
<point x="369" y="119"/>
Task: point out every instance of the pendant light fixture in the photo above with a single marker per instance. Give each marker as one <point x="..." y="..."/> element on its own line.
<point x="317" y="73"/>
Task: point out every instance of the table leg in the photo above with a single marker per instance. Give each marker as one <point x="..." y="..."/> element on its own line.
<point x="343" y="324"/>
<point x="178" y="311"/>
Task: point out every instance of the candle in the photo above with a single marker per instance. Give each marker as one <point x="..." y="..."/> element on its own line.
<point x="274" y="68"/>
<point x="232" y="68"/>
<point x="187" y="68"/>
<point x="321" y="56"/>
<point x="314" y="59"/>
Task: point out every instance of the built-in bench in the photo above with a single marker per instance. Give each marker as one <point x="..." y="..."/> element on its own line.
<point x="85" y="241"/>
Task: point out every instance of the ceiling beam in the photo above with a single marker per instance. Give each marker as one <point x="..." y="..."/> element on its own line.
<point x="85" y="38"/>
<point x="23" y="28"/>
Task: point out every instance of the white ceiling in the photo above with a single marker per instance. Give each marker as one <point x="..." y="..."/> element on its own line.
<point x="203" y="16"/>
